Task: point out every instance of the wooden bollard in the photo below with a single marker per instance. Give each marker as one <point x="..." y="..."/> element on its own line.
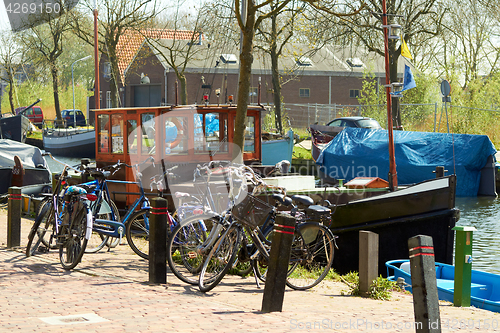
<point x="158" y="226"/>
<point x="424" y="285"/>
<point x="14" y="217"/>
<point x="274" y="290"/>
<point x="368" y="261"/>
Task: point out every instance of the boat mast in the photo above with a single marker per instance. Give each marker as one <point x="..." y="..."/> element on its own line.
<point x="97" y="91"/>
<point x="393" y="177"/>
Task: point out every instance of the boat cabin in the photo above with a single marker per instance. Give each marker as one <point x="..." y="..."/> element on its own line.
<point x="173" y="135"/>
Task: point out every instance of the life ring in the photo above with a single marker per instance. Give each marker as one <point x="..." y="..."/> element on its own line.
<point x="180" y="133"/>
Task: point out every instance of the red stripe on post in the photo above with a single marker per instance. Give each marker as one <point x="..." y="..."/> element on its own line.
<point x="421" y="254"/>
<point x="284" y="232"/>
<point x="422" y="248"/>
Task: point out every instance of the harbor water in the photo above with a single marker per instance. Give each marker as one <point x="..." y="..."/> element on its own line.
<point x="483" y="213"/>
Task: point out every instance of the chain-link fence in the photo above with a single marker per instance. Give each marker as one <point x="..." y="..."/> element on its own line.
<point x="414" y="116"/>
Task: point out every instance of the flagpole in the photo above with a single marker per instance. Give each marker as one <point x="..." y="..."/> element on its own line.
<point x="393" y="177"/>
<point x="97" y="90"/>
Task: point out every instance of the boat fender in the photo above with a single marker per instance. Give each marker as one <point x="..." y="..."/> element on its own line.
<point x="406" y="267"/>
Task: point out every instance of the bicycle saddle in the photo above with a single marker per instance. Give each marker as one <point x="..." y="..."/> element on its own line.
<point x="303" y="199"/>
<point x="282" y="199"/>
<point x="317" y="209"/>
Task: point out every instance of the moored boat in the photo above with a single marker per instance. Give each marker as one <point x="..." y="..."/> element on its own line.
<point x="70" y="142"/>
<point x="485" y="287"/>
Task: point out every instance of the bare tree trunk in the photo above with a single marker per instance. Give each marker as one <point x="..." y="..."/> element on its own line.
<point x="393" y="68"/>
<point x="55" y="88"/>
<point x="246" y="60"/>
<point x="113" y="85"/>
<point x="184" y="94"/>
<point x="276" y="76"/>
<point x="11" y="91"/>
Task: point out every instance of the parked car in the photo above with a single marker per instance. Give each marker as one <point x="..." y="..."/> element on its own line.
<point x="68" y="117"/>
<point x="362" y="122"/>
<point x="34" y="114"/>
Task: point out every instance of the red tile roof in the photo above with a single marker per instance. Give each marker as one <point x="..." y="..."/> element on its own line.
<point x="131" y="41"/>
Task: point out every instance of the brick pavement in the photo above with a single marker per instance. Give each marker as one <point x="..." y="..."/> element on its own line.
<point x="36" y="294"/>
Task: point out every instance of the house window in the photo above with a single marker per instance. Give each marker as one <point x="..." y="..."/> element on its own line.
<point x="304" y="61"/>
<point x="106" y="73"/>
<point x="108" y="99"/>
<point x="254" y="91"/>
<point x="304" y="92"/>
<point x="354" y="93"/>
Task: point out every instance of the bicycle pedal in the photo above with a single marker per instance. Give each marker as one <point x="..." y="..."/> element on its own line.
<point x="43" y="249"/>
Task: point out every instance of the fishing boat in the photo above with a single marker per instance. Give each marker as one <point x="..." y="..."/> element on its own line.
<point x="70" y="142"/>
<point x="485" y="293"/>
<point x="24" y="166"/>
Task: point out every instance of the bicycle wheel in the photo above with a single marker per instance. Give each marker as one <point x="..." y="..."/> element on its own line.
<point x="47" y="222"/>
<point x="311" y="256"/>
<point x="38" y="231"/>
<point x="137" y="232"/>
<point x="71" y="238"/>
<point x="97" y="241"/>
<point x="185" y="254"/>
<point x="220" y="258"/>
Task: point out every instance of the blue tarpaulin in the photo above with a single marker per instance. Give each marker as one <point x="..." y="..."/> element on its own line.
<point x="360" y="152"/>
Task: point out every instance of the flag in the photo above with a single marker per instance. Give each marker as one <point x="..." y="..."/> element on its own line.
<point x="405" y="52"/>
<point x="408" y="81"/>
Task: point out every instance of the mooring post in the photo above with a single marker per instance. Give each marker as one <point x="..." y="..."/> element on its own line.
<point x="463" y="265"/>
<point x="14" y="217"/>
<point x="424" y="285"/>
<point x="158" y="226"/>
<point x="439" y="171"/>
<point x="274" y="290"/>
<point x="368" y="261"/>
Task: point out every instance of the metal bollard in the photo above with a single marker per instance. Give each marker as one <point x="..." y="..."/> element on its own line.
<point x="368" y="261"/>
<point x="423" y="278"/>
<point x="14" y="217"/>
<point x="158" y="226"/>
<point x="274" y="290"/>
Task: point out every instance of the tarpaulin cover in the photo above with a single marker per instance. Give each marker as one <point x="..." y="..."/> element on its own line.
<point x="360" y="152"/>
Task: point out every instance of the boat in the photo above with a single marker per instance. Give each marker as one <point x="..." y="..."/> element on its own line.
<point x="36" y="177"/>
<point x="277" y="149"/>
<point x="485" y="293"/>
<point x="360" y="152"/>
<point x="14" y="127"/>
<point x="70" y="142"/>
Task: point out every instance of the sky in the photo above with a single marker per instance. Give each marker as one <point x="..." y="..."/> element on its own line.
<point x="5" y="25"/>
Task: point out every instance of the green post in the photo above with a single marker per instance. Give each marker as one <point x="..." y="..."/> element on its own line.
<point x="463" y="265"/>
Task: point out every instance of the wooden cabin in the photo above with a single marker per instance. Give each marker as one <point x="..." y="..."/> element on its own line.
<point x="174" y="135"/>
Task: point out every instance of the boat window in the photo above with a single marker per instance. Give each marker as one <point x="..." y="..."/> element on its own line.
<point x="210" y="132"/>
<point x="250" y="135"/>
<point x="103" y="133"/>
<point x="148" y="132"/>
<point x="132" y="136"/>
<point x="176" y="135"/>
<point x="117" y="134"/>
<point x="216" y="132"/>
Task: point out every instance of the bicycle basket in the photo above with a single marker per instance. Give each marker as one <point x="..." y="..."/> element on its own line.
<point x="251" y="211"/>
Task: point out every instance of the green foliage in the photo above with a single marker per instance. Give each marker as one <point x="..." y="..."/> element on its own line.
<point x="380" y="288"/>
<point x="301" y="153"/>
<point x="269" y="122"/>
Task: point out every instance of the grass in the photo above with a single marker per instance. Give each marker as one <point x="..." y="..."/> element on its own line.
<point x="301" y="153"/>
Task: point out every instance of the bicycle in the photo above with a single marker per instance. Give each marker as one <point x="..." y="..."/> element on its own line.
<point x="312" y="247"/>
<point x="49" y="214"/>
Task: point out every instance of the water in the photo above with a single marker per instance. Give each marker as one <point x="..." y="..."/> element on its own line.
<point x="482" y="213"/>
<point x="57" y="167"/>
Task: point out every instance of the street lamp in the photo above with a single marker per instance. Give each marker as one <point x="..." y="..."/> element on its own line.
<point x="73" y="82"/>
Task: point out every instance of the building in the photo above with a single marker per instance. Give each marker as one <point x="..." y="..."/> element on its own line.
<point x="331" y="75"/>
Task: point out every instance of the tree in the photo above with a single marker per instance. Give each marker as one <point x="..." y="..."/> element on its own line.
<point x="417" y="18"/>
<point x="46" y="43"/>
<point x="117" y="18"/>
<point x="11" y="58"/>
<point x="249" y="15"/>
<point x="177" y="47"/>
